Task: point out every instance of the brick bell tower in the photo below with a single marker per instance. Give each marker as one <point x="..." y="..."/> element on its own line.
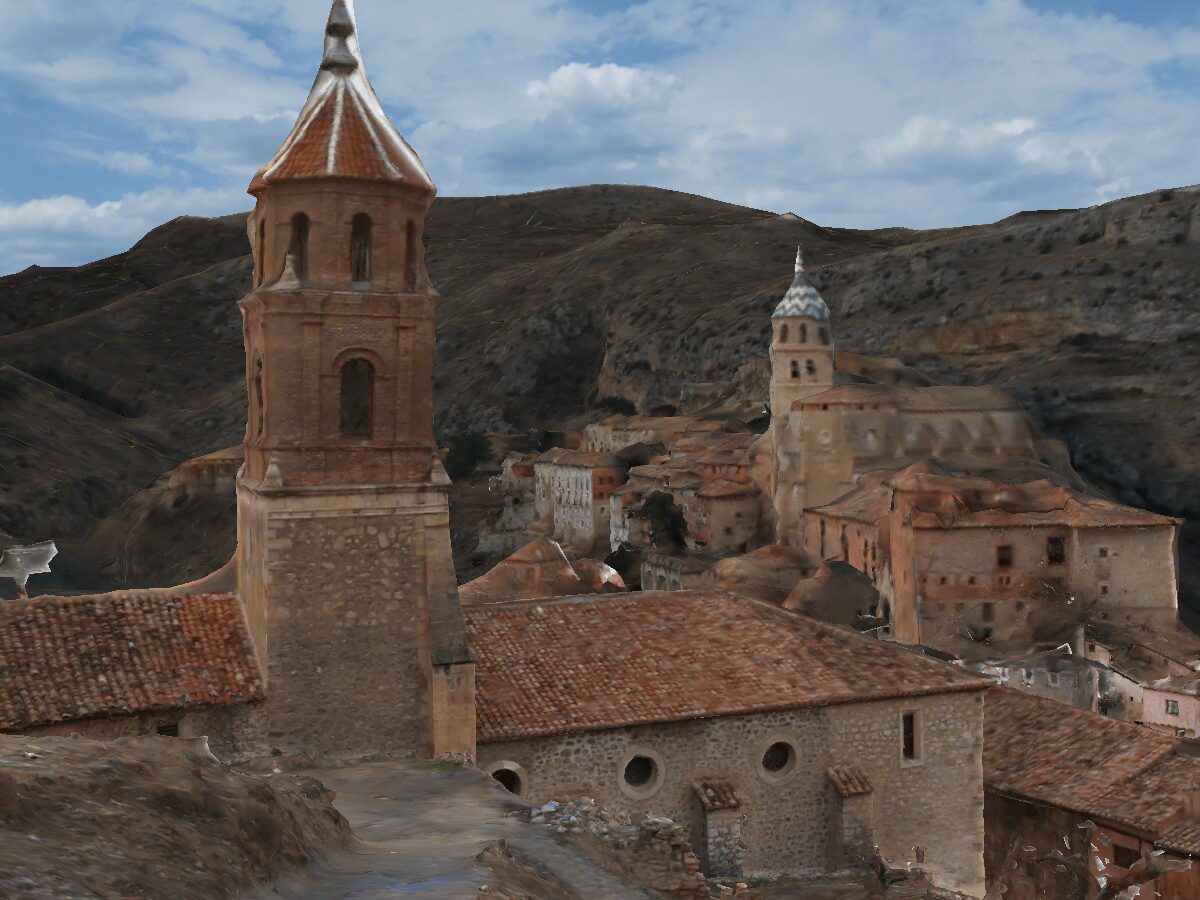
<point x="344" y="561"/>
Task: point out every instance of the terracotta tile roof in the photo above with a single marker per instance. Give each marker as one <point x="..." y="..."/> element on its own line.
<point x="716" y="793"/>
<point x="561" y="456"/>
<point x="932" y="497"/>
<point x="342" y="130"/>
<point x="1183" y="837"/>
<point x="850" y="781"/>
<point x="117" y="654"/>
<point x="309" y="157"/>
<point x="1051" y="753"/>
<point x="613" y="660"/>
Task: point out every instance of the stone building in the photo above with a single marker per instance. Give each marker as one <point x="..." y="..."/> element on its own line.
<point x="1153" y="675"/>
<point x="667" y="572"/>
<point x="827" y="431"/>
<point x="634" y="699"/>
<point x="343" y="572"/>
<point x="1060" y="675"/>
<point x="572" y="493"/>
<point x="946" y="550"/>
<point x="719" y="515"/>
<point x="1049" y="768"/>
<point x="131" y="663"/>
<point x="515" y="487"/>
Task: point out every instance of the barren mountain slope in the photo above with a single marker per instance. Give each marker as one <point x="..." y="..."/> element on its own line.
<point x="559" y="302"/>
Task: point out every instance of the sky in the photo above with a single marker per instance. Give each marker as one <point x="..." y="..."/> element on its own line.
<point x="118" y="115"/>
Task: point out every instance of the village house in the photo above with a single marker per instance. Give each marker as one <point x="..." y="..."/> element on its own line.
<point x="573" y="491"/>
<point x="515" y="487"/>
<point x="826" y="434"/>
<point x="946" y="550"/>
<point x="1155" y="675"/>
<point x="719" y="515"/>
<point x="670" y="572"/>
<point x="1059" y="674"/>
<point x="1049" y="768"/>
<point x="787" y="711"/>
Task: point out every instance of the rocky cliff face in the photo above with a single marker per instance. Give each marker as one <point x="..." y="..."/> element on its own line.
<point x="565" y="304"/>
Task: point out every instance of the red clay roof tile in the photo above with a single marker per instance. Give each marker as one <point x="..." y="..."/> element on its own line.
<point x="119" y="654"/>
<point x="613" y="660"/>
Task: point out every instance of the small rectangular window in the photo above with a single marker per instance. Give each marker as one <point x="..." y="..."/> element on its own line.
<point x="1056" y="550"/>
<point x="1104" y="553"/>
<point x="1125" y="857"/>
<point x="910" y="736"/>
<point x="1104" y="590"/>
<point x="1172" y="707"/>
<point x="1004" y="556"/>
<point x="170" y="729"/>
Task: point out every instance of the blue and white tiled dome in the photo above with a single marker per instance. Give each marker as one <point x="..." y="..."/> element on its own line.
<point x="801" y="299"/>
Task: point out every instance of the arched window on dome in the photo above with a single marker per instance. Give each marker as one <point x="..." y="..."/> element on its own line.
<point x="783" y="334"/>
<point x="803" y="333"/>
<point x="298" y="245"/>
<point x="358" y="397"/>
<point x="811" y="368"/>
<point x="360" y="249"/>
<point x="795" y="369"/>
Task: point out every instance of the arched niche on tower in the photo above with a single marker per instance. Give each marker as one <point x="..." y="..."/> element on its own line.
<point x="358" y="397"/>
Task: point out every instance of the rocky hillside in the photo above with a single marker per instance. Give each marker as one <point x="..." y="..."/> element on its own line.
<point x="151" y="817"/>
<point x="564" y="304"/>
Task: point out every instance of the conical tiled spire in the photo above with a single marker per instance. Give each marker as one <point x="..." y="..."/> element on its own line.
<point x="801" y="299"/>
<point x="342" y="131"/>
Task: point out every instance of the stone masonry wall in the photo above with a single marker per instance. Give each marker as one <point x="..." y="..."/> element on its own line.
<point x="723" y="842"/>
<point x="789" y="816"/>
<point x="936" y="802"/>
<point x="234" y="732"/>
<point x="344" y="652"/>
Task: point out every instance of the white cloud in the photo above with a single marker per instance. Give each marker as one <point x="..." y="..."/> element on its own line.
<point x="129" y="163"/>
<point x="67" y="230"/>
<point x="1014" y="127"/>
<point x="848" y="112"/>
<point x="607" y="86"/>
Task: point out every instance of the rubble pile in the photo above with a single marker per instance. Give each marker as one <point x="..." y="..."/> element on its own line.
<point x="654" y="849"/>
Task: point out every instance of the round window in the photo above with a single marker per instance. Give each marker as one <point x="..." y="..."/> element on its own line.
<point x="778" y="760"/>
<point x="509" y="780"/>
<point x="640" y="771"/>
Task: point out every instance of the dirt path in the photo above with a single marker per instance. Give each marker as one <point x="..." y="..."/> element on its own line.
<point x="420" y="828"/>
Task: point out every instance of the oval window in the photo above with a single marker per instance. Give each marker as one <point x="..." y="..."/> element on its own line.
<point x="778" y="760"/>
<point x="777" y="757"/>
<point x="640" y="771"/>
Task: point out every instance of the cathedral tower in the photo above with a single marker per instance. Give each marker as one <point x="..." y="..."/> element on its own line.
<point x="344" y="560"/>
<point x="801" y="344"/>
